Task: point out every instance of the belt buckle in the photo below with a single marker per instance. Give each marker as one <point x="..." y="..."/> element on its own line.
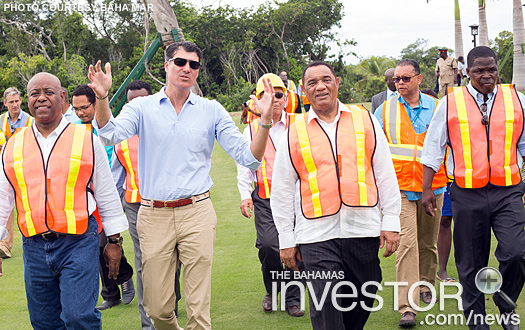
<point x="166" y="203"/>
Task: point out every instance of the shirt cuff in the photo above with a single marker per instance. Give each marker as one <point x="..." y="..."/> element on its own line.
<point x="253" y="163"/>
<point x="245" y="195"/>
<point x="115" y="226"/>
<point x="391" y="223"/>
<point x="429" y="162"/>
<point x="286" y="240"/>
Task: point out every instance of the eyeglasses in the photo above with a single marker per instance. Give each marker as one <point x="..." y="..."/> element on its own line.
<point x="485" y="118"/>
<point x="404" y="78"/>
<point x="278" y="95"/>
<point x="85" y="107"/>
<point x="182" y="62"/>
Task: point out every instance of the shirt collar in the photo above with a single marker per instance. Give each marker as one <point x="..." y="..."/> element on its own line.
<point x="161" y="95"/>
<point x="340" y="107"/>
<point x="56" y="132"/>
<point x="424" y="103"/>
<point x="479" y="96"/>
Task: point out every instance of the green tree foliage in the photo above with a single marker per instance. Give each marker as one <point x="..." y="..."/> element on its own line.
<point x="502" y="45"/>
<point x="426" y="57"/>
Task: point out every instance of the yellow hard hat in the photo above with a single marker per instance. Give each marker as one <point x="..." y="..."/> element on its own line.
<point x="275" y="80"/>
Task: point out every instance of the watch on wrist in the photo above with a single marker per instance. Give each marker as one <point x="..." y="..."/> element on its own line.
<point x="117" y="240"/>
<point x="266" y="125"/>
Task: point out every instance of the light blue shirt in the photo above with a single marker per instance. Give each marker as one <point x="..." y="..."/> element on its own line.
<point x="420" y="117"/>
<point x="437" y="137"/>
<point x="109" y="150"/>
<point x="20" y="121"/>
<point x="70" y="115"/>
<point x="175" y="150"/>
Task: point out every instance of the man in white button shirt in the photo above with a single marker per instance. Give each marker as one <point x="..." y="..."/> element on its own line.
<point x="60" y="175"/>
<point x="325" y="162"/>
<point x="267" y="241"/>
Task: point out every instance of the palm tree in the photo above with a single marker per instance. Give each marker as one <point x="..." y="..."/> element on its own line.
<point x="518" y="76"/>
<point x="457" y="31"/>
<point x="483" y="30"/>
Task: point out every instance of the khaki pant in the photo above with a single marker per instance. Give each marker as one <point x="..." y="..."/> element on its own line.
<point x="8" y="241"/>
<point x="416" y="257"/>
<point x="443" y="88"/>
<point x="168" y="236"/>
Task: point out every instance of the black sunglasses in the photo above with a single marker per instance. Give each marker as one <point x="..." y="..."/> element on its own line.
<point x="485" y="118"/>
<point x="182" y="62"/>
<point x="404" y="78"/>
<point x="278" y="95"/>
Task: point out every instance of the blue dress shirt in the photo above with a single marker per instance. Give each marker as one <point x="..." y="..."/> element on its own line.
<point x="437" y="137"/>
<point x="175" y="150"/>
<point x="420" y="117"/>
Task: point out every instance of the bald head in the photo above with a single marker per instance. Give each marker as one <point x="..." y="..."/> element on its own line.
<point x="45" y="97"/>
<point x="51" y="79"/>
<point x="389" y="74"/>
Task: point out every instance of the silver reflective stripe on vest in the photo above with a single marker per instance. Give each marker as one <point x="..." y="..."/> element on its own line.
<point x="408" y="151"/>
<point x="393" y="119"/>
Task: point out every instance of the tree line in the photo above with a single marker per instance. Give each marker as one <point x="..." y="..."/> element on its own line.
<point x="239" y="45"/>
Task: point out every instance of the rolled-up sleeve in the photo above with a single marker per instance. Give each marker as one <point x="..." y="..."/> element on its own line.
<point x="121" y="128"/>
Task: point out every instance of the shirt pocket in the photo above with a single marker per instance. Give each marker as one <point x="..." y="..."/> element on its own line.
<point x="197" y="140"/>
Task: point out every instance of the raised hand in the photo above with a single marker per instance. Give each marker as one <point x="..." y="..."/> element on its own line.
<point x="100" y="82"/>
<point x="265" y="104"/>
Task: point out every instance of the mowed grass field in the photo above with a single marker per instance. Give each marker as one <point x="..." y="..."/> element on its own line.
<point x="237" y="287"/>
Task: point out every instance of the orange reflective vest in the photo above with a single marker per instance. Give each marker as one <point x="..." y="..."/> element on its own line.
<point x="406" y="147"/>
<point x="6" y="129"/>
<point x="327" y="181"/>
<point x="127" y="154"/>
<point x="250" y="116"/>
<point x="292" y="101"/>
<point x="303" y="95"/>
<point x="52" y="198"/>
<point x="485" y="154"/>
<point x="265" y="172"/>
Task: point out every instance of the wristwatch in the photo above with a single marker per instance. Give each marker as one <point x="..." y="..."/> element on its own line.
<point x="117" y="240"/>
<point x="266" y="125"/>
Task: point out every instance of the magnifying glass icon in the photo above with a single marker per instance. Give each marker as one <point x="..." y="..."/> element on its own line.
<point x="489" y="281"/>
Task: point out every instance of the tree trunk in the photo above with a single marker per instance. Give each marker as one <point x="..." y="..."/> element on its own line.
<point x="483" y="29"/>
<point x="457" y="31"/>
<point x="518" y="69"/>
<point x="165" y="21"/>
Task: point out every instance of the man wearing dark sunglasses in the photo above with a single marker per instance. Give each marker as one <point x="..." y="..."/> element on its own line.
<point x="258" y="200"/>
<point x="176" y="221"/>
<point x="482" y="123"/>
<point x="405" y="120"/>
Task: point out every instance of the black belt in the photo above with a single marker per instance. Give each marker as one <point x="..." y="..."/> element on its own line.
<point x="50" y="236"/>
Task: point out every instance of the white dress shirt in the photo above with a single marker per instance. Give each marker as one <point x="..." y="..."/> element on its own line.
<point x="245" y="176"/>
<point x="437" y="138"/>
<point x="106" y="196"/>
<point x="349" y="222"/>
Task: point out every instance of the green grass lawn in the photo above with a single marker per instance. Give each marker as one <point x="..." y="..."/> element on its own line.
<point x="237" y="286"/>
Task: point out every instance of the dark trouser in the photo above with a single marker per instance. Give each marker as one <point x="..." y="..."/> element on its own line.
<point x="110" y="290"/>
<point x="476" y="211"/>
<point x="357" y="259"/>
<point x="269" y="253"/>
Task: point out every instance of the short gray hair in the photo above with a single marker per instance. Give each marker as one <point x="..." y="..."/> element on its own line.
<point x="11" y="91"/>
